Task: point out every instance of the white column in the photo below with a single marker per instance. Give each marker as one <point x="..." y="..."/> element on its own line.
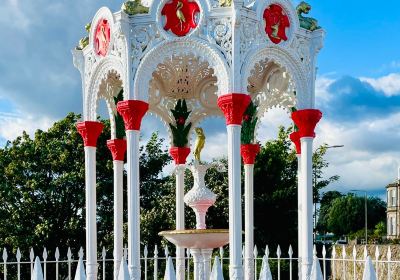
<point x="132" y="137"/>
<point x="235" y="205"/>
<point x="249" y="221"/>
<point x="180" y="218"/>
<point x="299" y="213"/>
<point x="306" y="206"/>
<point x="198" y="264"/>
<point x="118" y="215"/>
<point x="91" y="228"/>
<point x="207" y="262"/>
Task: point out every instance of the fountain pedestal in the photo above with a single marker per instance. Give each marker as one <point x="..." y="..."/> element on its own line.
<point x="201" y="241"/>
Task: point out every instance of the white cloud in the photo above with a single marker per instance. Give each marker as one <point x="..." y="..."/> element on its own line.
<point x="389" y="84"/>
<point x="12" y="125"/>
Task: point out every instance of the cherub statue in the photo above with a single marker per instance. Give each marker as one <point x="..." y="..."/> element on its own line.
<point x="199" y="145"/>
<point x="225" y="3"/>
<point x="308" y="23"/>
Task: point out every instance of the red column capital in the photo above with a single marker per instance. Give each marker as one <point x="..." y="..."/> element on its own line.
<point x="117" y="148"/>
<point x="132" y="111"/>
<point x="234" y="105"/>
<point x="306" y="120"/>
<point x="179" y="154"/>
<point x="295" y="137"/>
<point x="249" y="152"/>
<point x="90" y="132"/>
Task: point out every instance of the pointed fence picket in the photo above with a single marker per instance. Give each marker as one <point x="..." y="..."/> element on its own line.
<point x="338" y="264"/>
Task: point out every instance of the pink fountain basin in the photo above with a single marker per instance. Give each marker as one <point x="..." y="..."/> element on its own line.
<point x="197" y="238"/>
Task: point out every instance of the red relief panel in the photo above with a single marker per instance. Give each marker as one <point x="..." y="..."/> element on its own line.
<point x="180" y="16"/>
<point x="102" y="37"/>
<point x="276" y="23"/>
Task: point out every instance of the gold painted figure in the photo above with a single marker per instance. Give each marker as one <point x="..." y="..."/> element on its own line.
<point x="199" y="145"/>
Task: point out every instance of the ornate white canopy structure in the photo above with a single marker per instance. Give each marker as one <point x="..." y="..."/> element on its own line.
<point x="217" y="56"/>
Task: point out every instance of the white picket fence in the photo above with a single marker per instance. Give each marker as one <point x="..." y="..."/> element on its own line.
<point x="380" y="267"/>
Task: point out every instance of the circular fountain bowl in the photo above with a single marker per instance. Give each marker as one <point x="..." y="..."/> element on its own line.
<point x="197" y="238"/>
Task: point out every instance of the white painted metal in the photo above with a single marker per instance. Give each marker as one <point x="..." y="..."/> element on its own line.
<point x="169" y="270"/>
<point x="249" y="221"/>
<point x="118" y="215"/>
<point x="235" y="204"/>
<point x="305" y="185"/>
<point x="299" y="213"/>
<point x="37" y="270"/>
<point x="132" y="137"/>
<point x="123" y="273"/>
<point x="216" y="273"/>
<point x="80" y="271"/>
<point x="180" y="218"/>
<point x="91" y="227"/>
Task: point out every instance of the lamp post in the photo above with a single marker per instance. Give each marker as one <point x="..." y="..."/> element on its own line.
<point x="366" y="213"/>
<point x="315" y="185"/>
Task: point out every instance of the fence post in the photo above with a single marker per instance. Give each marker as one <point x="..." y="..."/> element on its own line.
<point x="221" y="255"/>
<point x="255" y="254"/>
<point x="354" y="261"/>
<point x="188" y="257"/>
<point x="290" y="262"/>
<point x="324" y="260"/>
<point x="333" y="262"/>
<point x="278" y="253"/>
<point x="5" y="256"/>
<point x="389" y="259"/>
<point x="37" y="270"/>
<point x="377" y="253"/>
<point x="44" y="263"/>
<point x="145" y="254"/>
<point x="155" y="263"/>
<point x="103" y="256"/>
<point x="18" y="264"/>
<point x="57" y="256"/>
<point x="32" y="257"/>
<point x="344" y="261"/>
<point x="69" y="256"/>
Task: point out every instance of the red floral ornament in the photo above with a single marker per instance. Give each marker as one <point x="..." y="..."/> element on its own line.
<point x="102" y="37"/>
<point x="180" y="16"/>
<point x="276" y="22"/>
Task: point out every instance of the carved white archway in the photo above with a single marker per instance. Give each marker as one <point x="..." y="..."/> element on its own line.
<point x="100" y="75"/>
<point x="286" y="61"/>
<point x="180" y="47"/>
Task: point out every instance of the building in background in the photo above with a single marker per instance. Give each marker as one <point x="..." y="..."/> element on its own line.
<point x="393" y="210"/>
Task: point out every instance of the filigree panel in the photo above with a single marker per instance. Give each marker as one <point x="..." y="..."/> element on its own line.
<point x="220" y="33"/>
<point x="184" y="77"/>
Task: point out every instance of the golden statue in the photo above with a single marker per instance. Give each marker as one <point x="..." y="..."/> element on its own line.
<point x="199" y="145"/>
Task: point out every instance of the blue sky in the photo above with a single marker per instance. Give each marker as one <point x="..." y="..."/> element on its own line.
<point x="358" y="84"/>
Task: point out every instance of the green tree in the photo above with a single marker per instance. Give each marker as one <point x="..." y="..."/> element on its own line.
<point x="325" y="205"/>
<point x="346" y="214"/>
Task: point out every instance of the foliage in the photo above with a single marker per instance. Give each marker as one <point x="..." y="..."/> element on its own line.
<point x="180" y="131"/>
<point x="346" y="214"/>
<point x="249" y="123"/>
<point x="325" y="204"/>
<point x="119" y="121"/>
